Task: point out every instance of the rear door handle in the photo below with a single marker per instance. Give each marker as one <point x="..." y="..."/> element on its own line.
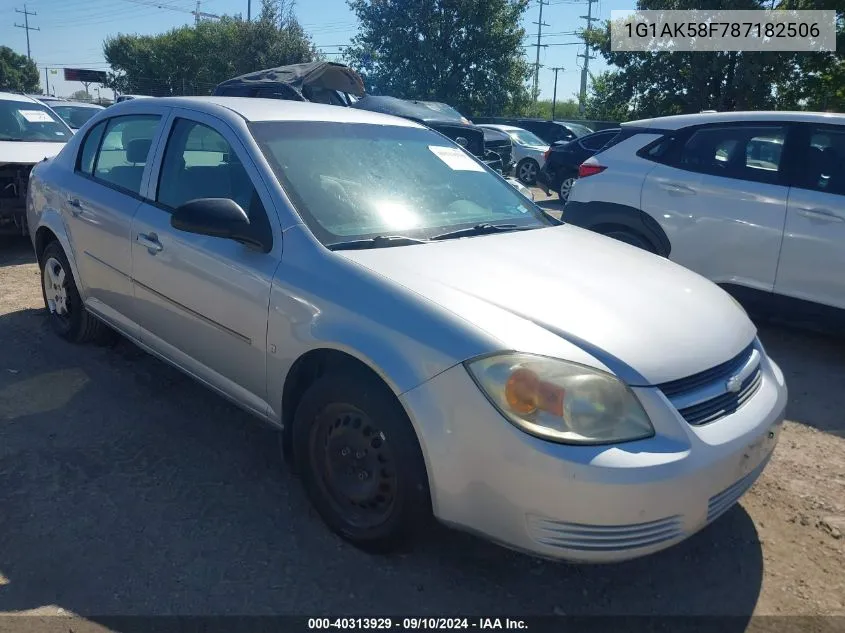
<point x="821" y="214"/>
<point x="150" y="242"/>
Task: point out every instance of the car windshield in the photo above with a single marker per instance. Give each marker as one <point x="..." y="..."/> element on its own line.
<point x="524" y="137"/>
<point x="74" y="115"/>
<point x="29" y="121"/>
<point x="357" y="181"/>
<point x="579" y="130"/>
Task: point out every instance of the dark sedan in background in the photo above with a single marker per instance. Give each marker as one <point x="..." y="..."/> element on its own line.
<point x="549" y="131"/>
<point x="563" y="160"/>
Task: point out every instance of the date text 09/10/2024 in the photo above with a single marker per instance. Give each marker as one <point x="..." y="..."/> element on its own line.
<point x="416" y="624"/>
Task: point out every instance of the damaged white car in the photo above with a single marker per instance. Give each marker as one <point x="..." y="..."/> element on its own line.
<point x="29" y="133"/>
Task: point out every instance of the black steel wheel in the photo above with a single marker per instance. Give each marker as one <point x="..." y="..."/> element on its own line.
<point x="360" y="461"/>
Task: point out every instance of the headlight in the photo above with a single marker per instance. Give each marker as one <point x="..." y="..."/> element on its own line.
<point x="561" y="401"/>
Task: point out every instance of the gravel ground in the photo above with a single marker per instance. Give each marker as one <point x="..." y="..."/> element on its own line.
<point x="125" y="488"/>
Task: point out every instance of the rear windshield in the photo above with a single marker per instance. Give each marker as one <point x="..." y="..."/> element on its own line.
<point x="75" y="116"/>
<point x="32" y="122"/>
<point x="355" y="181"/>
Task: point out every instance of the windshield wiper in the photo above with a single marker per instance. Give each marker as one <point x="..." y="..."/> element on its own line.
<point x="379" y="241"/>
<point x="482" y="229"/>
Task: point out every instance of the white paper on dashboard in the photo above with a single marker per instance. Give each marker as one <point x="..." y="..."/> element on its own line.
<point x="36" y="116"/>
<point x="455" y="158"/>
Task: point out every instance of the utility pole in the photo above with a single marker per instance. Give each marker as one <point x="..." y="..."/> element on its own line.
<point x="249" y="10"/>
<point x="582" y="97"/>
<point x="47" y="79"/>
<point x="540" y="26"/>
<point x="26" y="26"/>
<point x="554" y="94"/>
<point x="198" y="15"/>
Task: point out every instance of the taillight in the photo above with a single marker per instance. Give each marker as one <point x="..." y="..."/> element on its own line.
<point x="587" y="169"/>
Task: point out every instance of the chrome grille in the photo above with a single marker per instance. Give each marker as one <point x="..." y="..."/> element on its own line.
<point x="724" y="501"/>
<point x="714" y="393"/>
<point x="609" y="538"/>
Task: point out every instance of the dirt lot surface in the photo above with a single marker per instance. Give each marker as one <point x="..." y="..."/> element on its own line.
<point x="125" y="488"/>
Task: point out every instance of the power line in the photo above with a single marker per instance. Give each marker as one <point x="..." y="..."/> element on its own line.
<point x="540" y="26"/>
<point x="582" y="95"/>
<point x="26" y="26"/>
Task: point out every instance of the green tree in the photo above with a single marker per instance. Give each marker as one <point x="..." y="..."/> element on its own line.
<point x="815" y="81"/>
<point x="194" y="59"/>
<point x="17" y="72"/>
<point x="542" y="109"/>
<point x="664" y="83"/>
<point x="606" y="99"/>
<point x="80" y="95"/>
<point x="464" y="52"/>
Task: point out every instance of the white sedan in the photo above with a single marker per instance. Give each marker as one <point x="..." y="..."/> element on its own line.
<point x="528" y="151"/>
<point x="428" y="342"/>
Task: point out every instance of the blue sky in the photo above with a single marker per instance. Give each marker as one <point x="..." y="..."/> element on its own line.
<point x="72" y="31"/>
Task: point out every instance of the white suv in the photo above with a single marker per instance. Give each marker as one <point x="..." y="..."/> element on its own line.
<point x="755" y="201"/>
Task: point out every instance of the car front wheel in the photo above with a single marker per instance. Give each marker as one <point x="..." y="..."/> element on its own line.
<point x="360" y="461"/>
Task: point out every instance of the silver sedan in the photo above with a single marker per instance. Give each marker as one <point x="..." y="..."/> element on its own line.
<point x="426" y="339"/>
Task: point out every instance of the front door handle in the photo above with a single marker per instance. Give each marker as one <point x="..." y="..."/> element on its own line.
<point x="75" y="206"/>
<point x="150" y="242"/>
<point x="677" y="189"/>
<point x="821" y="214"/>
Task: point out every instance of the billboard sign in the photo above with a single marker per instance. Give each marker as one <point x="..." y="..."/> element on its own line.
<point x="85" y="76"/>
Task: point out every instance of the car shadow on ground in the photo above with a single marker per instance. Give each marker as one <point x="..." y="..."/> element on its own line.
<point x="15" y="250"/>
<point x="126" y="488"/>
<point x="814" y="368"/>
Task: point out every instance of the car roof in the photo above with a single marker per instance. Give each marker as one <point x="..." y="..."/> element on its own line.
<point x="13" y="96"/>
<point x="83" y="104"/>
<point x="679" y="121"/>
<point x="256" y="109"/>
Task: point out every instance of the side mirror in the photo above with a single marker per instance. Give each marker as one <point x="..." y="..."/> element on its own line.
<point x="217" y="217"/>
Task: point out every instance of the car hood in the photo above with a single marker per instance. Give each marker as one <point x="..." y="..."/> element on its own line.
<point x="625" y="307"/>
<point x="26" y="153"/>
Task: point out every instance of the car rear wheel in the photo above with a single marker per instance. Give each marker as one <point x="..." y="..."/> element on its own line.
<point x="68" y="315"/>
<point x="360" y="461"/>
<point x="527" y="171"/>
<point x="565" y="189"/>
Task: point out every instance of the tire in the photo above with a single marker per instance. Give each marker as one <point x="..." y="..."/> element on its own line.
<point x="68" y="316"/>
<point x="565" y="188"/>
<point x="360" y="462"/>
<point x="527" y="170"/>
<point x="632" y="238"/>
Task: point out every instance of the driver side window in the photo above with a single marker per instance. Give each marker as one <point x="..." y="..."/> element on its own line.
<point x="199" y="163"/>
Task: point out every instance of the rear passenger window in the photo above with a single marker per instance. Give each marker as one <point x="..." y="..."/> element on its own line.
<point x="199" y="163"/>
<point x="747" y="153"/>
<point x="85" y="162"/>
<point x="124" y="151"/>
<point x="822" y="167"/>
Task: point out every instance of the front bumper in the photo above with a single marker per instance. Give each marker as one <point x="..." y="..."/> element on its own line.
<point x="588" y="504"/>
